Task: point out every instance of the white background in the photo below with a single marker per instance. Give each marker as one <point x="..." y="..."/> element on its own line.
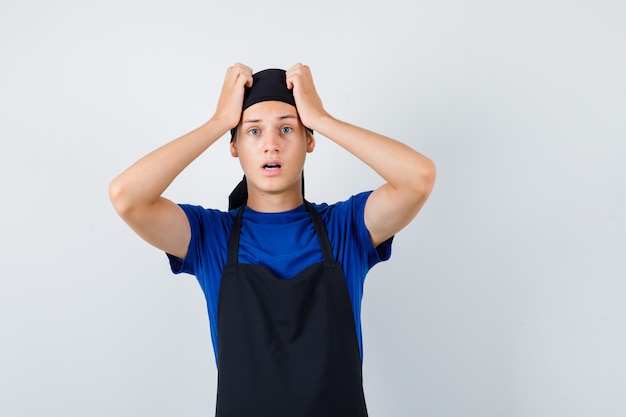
<point x="505" y="297"/>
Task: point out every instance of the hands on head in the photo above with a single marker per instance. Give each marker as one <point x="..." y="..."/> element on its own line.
<point x="298" y="78"/>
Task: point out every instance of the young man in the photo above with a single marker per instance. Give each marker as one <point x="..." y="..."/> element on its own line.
<point x="283" y="278"/>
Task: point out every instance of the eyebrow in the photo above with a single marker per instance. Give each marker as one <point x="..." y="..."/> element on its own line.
<point x="287" y="116"/>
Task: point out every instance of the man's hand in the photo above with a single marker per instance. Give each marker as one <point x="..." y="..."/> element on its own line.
<point x="308" y="102"/>
<point x="229" y="105"/>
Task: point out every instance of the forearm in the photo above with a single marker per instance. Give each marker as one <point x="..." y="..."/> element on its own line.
<point x="146" y="180"/>
<point x="398" y="164"/>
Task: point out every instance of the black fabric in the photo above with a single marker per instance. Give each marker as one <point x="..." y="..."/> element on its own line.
<point x="287" y="347"/>
<point x="267" y="85"/>
<point x="239" y="195"/>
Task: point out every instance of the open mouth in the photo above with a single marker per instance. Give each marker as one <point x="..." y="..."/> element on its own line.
<point x="271" y="166"/>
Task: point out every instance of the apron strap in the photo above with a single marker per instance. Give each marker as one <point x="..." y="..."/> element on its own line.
<point x="233" y="241"/>
<point x="320" y="231"/>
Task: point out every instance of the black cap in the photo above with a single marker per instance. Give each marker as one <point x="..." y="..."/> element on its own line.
<point x="267" y="85"/>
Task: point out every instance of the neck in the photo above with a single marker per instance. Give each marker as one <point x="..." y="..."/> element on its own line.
<point x="274" y="203"/>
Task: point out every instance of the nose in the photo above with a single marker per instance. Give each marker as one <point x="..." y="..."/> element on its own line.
<point x="272" y="142"/>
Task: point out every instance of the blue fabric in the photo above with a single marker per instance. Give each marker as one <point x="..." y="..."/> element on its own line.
<point x="285" y="242"/>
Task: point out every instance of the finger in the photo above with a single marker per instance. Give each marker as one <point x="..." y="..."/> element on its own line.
<point x="296" y="67"/>
<point x="241" y="67"/>
<point x="293" y="74"/>
<point x="246" y="72"/>
<point x="248" y="79"/>
<point x="240" y="73"/>
<point x="299" y="69"/>
<point x="299" y="72"/>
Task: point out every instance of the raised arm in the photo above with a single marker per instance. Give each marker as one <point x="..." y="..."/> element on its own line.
<point x="136" y="192"/>
<point x="409" y="175"/>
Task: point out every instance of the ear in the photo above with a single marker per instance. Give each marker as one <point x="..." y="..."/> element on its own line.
<point x="310" y="142"/>
<point x="233" y="149"/>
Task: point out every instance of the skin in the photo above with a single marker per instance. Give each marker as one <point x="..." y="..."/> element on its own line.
<point x="271" y="132"/>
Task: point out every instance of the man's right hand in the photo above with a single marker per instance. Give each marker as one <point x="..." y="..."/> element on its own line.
<point x="230" y="103"/>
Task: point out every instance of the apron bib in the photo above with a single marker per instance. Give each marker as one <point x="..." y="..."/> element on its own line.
<point x="287" y="348"/>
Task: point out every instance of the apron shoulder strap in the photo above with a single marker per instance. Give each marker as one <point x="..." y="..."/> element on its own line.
<point x="321" y="232"/>
<point x="233" y="241"/>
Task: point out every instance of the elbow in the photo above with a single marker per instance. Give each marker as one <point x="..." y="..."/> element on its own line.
<point x="431" y="174"/>
<point x="424" y="178"/>
<point x="119" y="197"/>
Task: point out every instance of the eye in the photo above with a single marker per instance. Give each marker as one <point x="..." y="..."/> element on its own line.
<point x="254" y="131"/>
<point x="286" y="129"/>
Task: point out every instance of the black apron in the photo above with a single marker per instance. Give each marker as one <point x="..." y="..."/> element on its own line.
<point x="287" y="347"/>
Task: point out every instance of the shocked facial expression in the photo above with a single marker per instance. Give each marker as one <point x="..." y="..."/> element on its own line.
<point x="271" y="145"/>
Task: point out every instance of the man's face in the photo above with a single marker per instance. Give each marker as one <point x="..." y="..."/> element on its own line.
<point x="271" y="145"/>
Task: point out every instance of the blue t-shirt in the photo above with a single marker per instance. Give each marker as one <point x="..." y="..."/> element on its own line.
<point x="285" y="242"/>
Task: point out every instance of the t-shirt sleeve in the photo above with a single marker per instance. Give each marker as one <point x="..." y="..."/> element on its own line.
<point x="376" y="254"/>
<point x="208" y="233"/>
<point x="187" y="265"/>
<point x="347" y="230"/>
